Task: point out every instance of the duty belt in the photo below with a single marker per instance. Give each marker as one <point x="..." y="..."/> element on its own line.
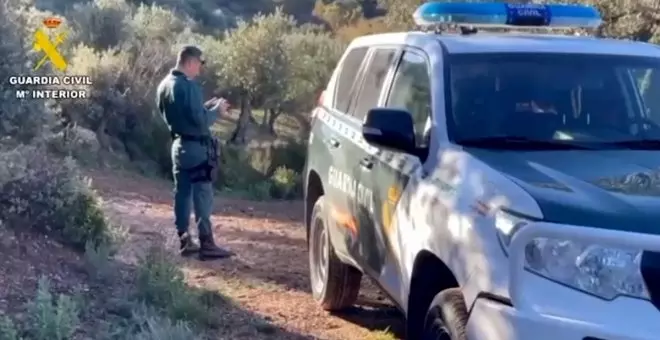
<point x="191" y="138"/>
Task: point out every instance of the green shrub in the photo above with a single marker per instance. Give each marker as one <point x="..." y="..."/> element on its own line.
<point x="98" y="261"/>
<point x="286" y="183"/>
<point x="291" y="155"/>
<point x="236" y="171"/>
<point x="47" y="194"/>
<point x="161" y="284"/>
<point x="260" y="190"/>
<point x="77" y="142"/>
<point x="154" y="327"/>
<point x="52" y="318"/>
<point x="120" y="109"/>
<point x="8" y="329"/>
<point x="19" y="119"/>
<point x="262" y="172"/>
<point x="100" y="23"/>
<point x="152" y="22"/>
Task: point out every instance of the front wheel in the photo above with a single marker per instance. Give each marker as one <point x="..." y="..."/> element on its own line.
<point x="447" y="317"/>
<point x="335" y="285"/>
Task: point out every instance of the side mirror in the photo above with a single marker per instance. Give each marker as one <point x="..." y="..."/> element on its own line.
<point x="390" y="128"/>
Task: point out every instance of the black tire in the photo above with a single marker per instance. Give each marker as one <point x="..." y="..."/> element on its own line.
<point x="447" y="317"/>
<point x="335" y="285"/>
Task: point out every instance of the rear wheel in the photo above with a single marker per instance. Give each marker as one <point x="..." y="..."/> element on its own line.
<point x="335" y="285"/>
<point x="447" y="317"/>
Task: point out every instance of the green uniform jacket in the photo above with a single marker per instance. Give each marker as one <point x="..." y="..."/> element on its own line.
<point x="181" y="105"/>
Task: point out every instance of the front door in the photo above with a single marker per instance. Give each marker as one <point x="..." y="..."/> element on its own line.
<point x="366" y="247"/>
<point x="391" y="172"/>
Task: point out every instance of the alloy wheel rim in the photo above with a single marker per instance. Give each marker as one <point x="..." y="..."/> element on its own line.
<point x="319" y="257"/>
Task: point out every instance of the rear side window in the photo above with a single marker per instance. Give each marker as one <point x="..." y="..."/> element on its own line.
<point x="374" y="77"/>
<point x="347" y="76"/>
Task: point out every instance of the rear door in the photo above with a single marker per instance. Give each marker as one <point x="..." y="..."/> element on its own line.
<point x="338" y="140"/>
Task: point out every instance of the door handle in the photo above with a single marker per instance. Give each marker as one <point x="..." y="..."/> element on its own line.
<point x="367" y="163"/>
<point x="333" y="143"/>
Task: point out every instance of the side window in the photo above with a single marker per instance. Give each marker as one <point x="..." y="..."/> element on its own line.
<point x="648" y="84"/>
<point x="374" y="77"/>
<point x="411" y="90"/>
<point x="349" y="68"/>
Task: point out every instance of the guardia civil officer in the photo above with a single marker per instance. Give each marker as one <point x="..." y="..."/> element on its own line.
<point x="194" y="150"/>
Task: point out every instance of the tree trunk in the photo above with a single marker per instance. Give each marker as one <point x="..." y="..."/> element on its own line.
<point x="272" y="117"/>
<point x="264" y="119"/>
<point x="304" y="124"/>
<point x="239" y="136"/>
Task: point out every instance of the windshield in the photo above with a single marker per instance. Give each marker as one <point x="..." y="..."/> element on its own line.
<point x="554" y="97"/>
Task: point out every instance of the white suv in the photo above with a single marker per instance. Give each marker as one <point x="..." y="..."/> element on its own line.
<point x="496" y="186"/>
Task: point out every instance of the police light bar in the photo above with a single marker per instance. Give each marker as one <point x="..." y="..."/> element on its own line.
<point x="507" y="15"/>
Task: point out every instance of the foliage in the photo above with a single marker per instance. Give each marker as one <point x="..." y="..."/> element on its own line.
<point x="95" y="23"/>
<point x="161" y="284"/>
<point x="315" y="54"/>
<point x="285" y="183"/>
<point x="52" y="318"/>
<point x="97" y="261"/>
<point x="50" y="191"/>
<point x="8" y="329"/>
<point x="630" y="19"/>
<point x="19" y="120"/>
<point x="253" y="60"/>
<point x="337" y="14"/>
<point x="120" y="105"/>
<point x="262" y="172"/>
<point x="399" y="14"/>
<point x="362" y="27"/>
<point x="155" y="327"/>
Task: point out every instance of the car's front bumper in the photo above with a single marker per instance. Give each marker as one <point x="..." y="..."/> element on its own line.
<point x="491" y="320"/>
<point x="545" y="310"/>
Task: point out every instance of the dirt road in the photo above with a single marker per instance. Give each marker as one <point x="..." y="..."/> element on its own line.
<point x="269" y="275"/>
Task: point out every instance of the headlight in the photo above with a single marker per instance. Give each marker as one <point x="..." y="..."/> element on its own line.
<point x="602" y="271"/>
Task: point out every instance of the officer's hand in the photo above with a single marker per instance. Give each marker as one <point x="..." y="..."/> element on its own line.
<point x="223" y="105"/>
<point x="210" y="103"/>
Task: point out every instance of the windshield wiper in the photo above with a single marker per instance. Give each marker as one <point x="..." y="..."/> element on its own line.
<point x="640" y="144"/>
<point x="519" y="142"/>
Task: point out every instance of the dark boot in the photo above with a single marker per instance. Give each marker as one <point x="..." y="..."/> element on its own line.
<point x="187" y="246"/>
<point x="209" y="251"/>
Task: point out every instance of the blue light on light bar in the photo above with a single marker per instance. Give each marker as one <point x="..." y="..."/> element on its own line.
<point x="501" y="14"/>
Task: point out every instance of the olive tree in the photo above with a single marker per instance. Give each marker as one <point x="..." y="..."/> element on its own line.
<point x="337" y="14"/>
<point x="313" y="55"/>
<point x="253" y="63"/>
